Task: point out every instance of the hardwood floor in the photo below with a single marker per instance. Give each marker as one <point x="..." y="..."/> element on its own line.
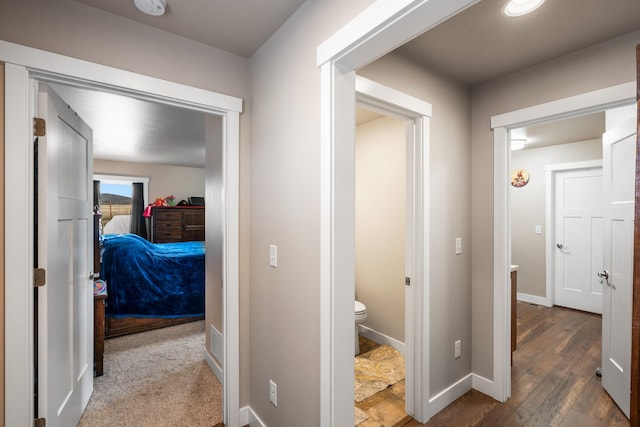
<point x="553" y="378"/>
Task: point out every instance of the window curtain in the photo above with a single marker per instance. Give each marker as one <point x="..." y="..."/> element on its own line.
<point x="138" y="222"/>
<point x="97" y="199"/>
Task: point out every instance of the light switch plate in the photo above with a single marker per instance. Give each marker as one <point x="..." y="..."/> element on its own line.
<point x="458" y="245"/>
<point x="273" y="256"/>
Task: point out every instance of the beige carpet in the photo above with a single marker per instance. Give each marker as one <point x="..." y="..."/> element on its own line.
<point x="377" y="370"/>
<point x="156" y="378"/>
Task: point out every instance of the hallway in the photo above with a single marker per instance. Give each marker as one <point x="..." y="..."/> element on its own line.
<point x="553" y="377"/>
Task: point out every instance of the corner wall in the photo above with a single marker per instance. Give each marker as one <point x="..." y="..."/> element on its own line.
<point x="285" y="211"/>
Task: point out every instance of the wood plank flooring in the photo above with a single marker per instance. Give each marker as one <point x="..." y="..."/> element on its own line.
<point x="553" y="378"/>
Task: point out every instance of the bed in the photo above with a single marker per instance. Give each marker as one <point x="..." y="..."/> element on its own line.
<point x="151" y="285"/>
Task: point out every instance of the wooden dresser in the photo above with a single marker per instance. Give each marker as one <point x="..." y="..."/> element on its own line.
<point x="177" y="224"/>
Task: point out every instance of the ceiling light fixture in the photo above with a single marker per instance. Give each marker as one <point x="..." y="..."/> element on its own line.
<point x="517" y="144"/>
<point x="151" y="7"/>
<point x="521" y="7"/>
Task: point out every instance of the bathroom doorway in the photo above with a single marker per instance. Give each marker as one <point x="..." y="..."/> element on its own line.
<point x="380" y="265"/>
<point x="410" y="117"/>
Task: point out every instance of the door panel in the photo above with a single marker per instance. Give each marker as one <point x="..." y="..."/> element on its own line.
<point x="65" y="315"/>
<point x="578" y="233"/>
<point x="619" y="181"/>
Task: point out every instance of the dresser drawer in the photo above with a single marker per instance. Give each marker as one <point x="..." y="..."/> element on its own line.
<point x="168" y="225"/>
<point x="168" y="215"/>
<point x="168" y="235"/>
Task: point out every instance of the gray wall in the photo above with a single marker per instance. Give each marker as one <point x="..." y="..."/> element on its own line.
<point x="381" y="211"/>
<point x="598" y="67"/>
<point x="450" y="210"/>
<point x="164" y="180"/>
<point x="285" y="211"/>
<point x="528" y="208"/>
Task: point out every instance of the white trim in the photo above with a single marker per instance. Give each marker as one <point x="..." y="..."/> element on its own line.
<point x="65" y="69"/>
<point x="447" y="396"/>
<point x="18" y="250"/>
<point x="23" y="62"/>
<point x="389" y="100"/>
<point x="587" y="164"/>
<point x="482" y="384"/>
<point x="384" y="26"/>
<point x="381" y="338"/>
<point x="533" y="299"/>
<point x="213" y="365"/>
<point x="501" y="274"/>
<point x="379" y="29"/>
<point x="550" y="220"/>
<point x="250" y="418"/>
<point x="568" y="107"/>
<point x="586" y="103"/>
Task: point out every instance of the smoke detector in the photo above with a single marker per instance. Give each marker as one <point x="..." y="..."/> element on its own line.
<point x="151" y="7"/>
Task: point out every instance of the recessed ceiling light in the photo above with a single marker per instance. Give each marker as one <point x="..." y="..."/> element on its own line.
<point x="517" y="144"/>
<point x="521" y="7"/>
<point x="151" y="7"/>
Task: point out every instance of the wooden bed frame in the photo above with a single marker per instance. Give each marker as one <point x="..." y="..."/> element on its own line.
<point x="130" y="325"/>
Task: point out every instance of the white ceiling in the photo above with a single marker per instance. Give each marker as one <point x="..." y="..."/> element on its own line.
<point x="475" y="46"/>
<point x="129" y="129"/>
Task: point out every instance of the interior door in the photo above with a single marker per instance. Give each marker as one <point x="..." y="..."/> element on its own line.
<point x="619" y="153"/>
<point x="64" y="242"/>
<point x="578" y="247"/>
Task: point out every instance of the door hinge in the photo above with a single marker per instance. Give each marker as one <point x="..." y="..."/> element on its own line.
<point x="39" y="127"/>
<point x="39" y="277"/>
<point x="40" y="422"/>
<point x="407" y="281"/>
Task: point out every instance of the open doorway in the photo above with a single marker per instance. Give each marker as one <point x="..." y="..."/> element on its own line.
<point x="579" y="106"/>
<point x="380" y="244"/>
<point x="18" y="77"/>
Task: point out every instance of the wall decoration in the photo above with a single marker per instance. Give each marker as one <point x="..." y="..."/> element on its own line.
<point x="519" y="178"/>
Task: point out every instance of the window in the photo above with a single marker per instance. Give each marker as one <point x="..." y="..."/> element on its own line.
<point x="116" y="192"/>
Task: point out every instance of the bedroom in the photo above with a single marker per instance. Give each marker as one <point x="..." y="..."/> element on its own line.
<point x="126" y="152"/>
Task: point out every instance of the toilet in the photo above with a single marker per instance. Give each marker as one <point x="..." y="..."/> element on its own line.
<point x="361" y="316"/>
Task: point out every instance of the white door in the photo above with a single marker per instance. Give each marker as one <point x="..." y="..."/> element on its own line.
<point x="578" y="245"/>
<point x="64" y="241"/>
<point x="619" y="154"/>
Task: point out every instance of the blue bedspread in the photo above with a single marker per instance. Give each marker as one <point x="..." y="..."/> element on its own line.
<point x="152" y="280"/>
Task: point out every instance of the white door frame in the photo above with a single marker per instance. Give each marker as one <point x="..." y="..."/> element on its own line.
<point x="379" y="29"/>
<point x="585" y="103"/>
<point x="551" y="172"/>
<point x="417" y="113"/>
<point x="22" y="65"/>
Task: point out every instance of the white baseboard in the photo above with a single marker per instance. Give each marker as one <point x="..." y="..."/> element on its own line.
<point x="532" y="299"/>
<point x="381" y="338"/>
<point x="483" y="385"/>
<point x="447" y="396"/>
<point x="213" y="365"/>
<point x="248" y="417"/>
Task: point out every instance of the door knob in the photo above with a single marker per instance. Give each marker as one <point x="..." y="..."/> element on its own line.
<point x="559" y="245"/>
<point x="604" y="274"/>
